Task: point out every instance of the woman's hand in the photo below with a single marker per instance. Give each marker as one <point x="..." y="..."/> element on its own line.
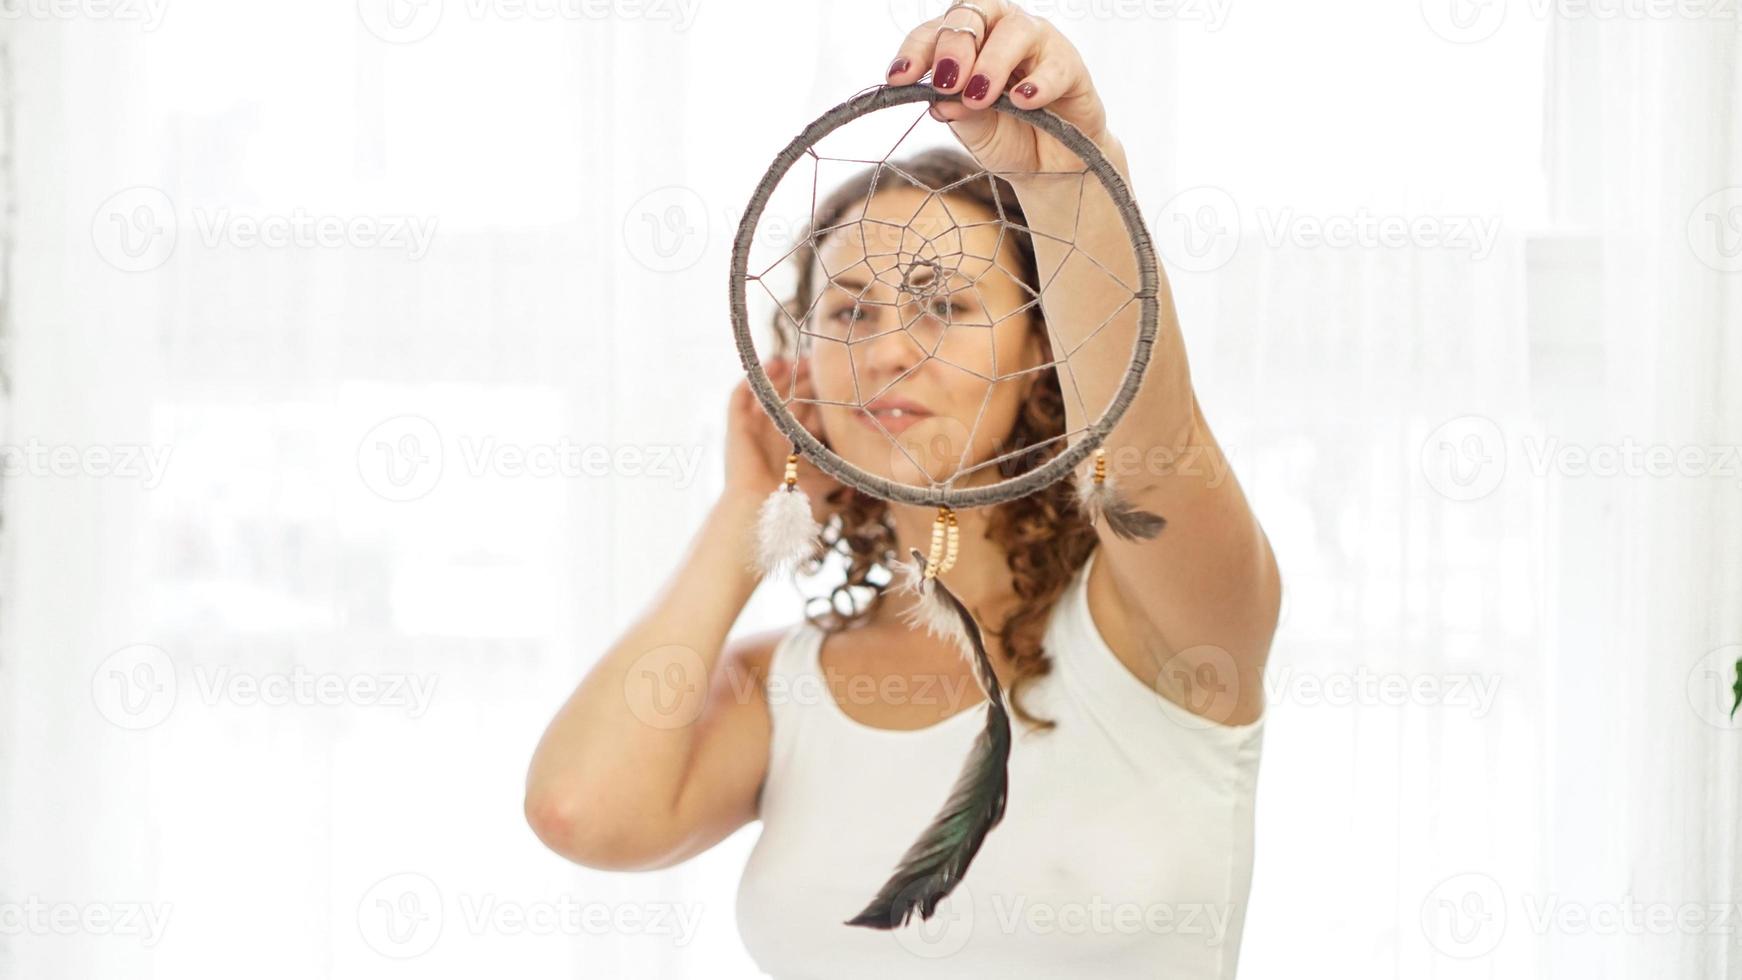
<point x="756" y="450"/>
<point x="1018" y="52"/>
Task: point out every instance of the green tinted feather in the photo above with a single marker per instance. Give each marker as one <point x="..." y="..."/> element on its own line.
<point x="1738" y="689"/>
<point x="936" y="862"/>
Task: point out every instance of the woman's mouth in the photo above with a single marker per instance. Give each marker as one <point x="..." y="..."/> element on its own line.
<point x="892" y="415"/>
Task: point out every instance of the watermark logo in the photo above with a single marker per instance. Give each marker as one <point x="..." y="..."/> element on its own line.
<point x="1212" y="15"/>
<point x="667" y="687"/>
<point x="146" y="13"/>
<point x="1473" y="233"/>
<point x="134" y="230"/>
<point x="1198" y="229"/>
<point x="405" y="915"/>
<point x="1465" y="459"/>
<point x="1470" y="456"/>
<point x="405" y="457"/>
<point x="401" y="915"/>
<point x="124" y="461"/>
<point x="1464" y="21"/>
<point x="401" y="459"/>
<point x="1473" y="21"/>
<point x="1465" y="916"/>
<point x="1202" y="228"/>
<point x="139" y="686"/>
<point x="948" y="930"/>
<point x="666" y="229"/>
<point x="1206" y="681"/>
<point x="135" y="687"/>
<point x="301" y="228"/>
<point x="137" y="230"/>
<point x="1714" y="688"/>
<point x="1715" y="230"/>
<point x="145" y="921"/>
<point x="410" y="21"/>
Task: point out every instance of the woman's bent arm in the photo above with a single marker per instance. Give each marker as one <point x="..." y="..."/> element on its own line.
<point x="659" y="752"/>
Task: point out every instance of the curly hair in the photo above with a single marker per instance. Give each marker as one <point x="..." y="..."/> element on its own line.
<point x="1045" y="537"/>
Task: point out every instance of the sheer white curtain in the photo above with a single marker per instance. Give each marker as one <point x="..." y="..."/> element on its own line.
<point x="367" y="362"/>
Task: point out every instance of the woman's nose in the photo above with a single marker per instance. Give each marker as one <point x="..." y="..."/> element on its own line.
<point x="889" y="348"/>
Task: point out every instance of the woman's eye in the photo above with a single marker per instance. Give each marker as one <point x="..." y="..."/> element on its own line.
<point x="850" y="313"/>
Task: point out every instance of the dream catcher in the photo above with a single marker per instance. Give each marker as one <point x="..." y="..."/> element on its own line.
<point x="903" y="269"/>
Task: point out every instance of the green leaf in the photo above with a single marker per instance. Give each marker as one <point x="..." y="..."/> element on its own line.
<point x="1738" y="689"/>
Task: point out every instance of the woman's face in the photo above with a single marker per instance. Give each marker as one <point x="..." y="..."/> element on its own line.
<point x="914" y="321"/>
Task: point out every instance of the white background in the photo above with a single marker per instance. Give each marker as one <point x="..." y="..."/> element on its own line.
<point x="1434" y="430"/>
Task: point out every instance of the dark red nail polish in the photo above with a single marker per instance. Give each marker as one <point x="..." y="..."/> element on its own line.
<point x="945" y="73"/>
<point x="897" y="66"/>
<point x="977" y="88"/>
<point x="1026" y="90"/>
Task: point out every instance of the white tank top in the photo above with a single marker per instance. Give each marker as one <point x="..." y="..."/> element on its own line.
<point x="1125" y="850"/>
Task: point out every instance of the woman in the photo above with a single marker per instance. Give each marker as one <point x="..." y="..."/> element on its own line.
<point x="1133" y="666"/>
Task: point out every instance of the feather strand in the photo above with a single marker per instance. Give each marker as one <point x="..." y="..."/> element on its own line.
<point x="937" y="861"/>
<point x="786" y="532"/>
<point x="1101" y="500"/>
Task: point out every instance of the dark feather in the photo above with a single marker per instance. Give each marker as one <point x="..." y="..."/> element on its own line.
<point x="1738" y="689"/>
<point x="936" y="862"/>
<point x="1128" y="521"/>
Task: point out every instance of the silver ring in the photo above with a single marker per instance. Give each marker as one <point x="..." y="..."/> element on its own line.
<point x="965" y="30"/>
<point x="985" y="21"/>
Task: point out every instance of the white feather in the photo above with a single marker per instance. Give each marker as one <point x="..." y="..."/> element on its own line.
<point x="786" y="533"/>
<point x="929" y="611"/>
<point x="1092" y="497"/>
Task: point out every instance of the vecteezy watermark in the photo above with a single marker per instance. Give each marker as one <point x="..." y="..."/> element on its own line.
<point x="1715" y="230"/>
<point x="139" y="686"/>
<point x="1212" y="15"/>
<point x="1467" y="915"/>
<point x="121" y="461"/>
<point x="401" y="916"/>
<point x="1200" y="229"/>
<point x="954" y="692"/>
<point x="959" y="917"/>
<point x="410" y="21"/>
<point x="666" y="229"/>
<point x="147" y="13"/>
<point x="667" y="687"/>
<point x="1097" y="916"/>
<point x="1471" y="21"/>
<point x="404" y="915"/>
<point x="1365" y="687"/>
<point x="300" y="228"/>
<point x="145" y="921"/>
<point x="1468" y="457"/>
<point x="1714" y="687"/>
<point x="403" y="458"/>
<point x="137" y="230"/>
<point x="1472" y="233"/>
<point x="1207" y="682"/>
<point x="1464" y="916"/>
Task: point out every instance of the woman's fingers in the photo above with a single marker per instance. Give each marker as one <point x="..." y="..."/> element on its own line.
<point x="960" y="33"/>
<point x="1055" y="74"/>
<point x="1016" y="39"/>
<point x="1017" y="52"/>
<point x="946" y="46"/>
<point x="915" y="55"/>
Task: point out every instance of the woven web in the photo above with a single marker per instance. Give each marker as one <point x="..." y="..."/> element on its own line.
<point x="926" y="278"/>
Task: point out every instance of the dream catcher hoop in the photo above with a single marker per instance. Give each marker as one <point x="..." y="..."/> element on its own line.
<point x="787" y="533"/>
